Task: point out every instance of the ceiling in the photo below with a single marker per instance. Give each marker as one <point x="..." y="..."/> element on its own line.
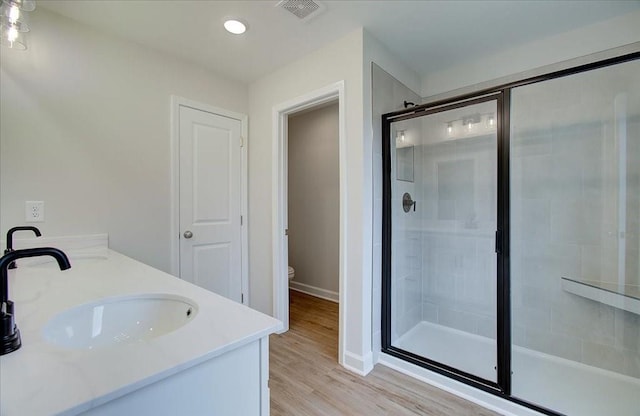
<point x="427" y="35"/>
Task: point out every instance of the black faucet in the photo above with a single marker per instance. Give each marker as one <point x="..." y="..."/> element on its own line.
<point x="9" y="247"/>
<point x="9" y="333"/>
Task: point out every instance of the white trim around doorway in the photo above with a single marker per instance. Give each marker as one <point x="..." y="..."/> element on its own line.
<point x="279" y="220"/>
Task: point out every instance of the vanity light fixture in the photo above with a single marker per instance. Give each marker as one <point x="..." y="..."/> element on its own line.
<point x="471" y="121"/>
<point x="471" y="125"/>
<point x="468" y="123"/>
<point x="13" y="23"/>
<point x="235" y="26"/>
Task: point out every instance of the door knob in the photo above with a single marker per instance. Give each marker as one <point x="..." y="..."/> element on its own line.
<point x="188" y="234"/>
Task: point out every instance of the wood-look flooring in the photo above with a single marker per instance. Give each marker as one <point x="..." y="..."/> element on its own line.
<point x="306" y="379"/>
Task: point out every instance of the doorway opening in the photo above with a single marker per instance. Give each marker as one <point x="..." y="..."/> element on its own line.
<point x="300" y="108"/>
<point x="313" y="193"/>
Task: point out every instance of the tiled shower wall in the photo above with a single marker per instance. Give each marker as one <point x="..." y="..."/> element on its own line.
<point x="459" y="262"/>
<point x="389" y="94"/>
<point x="406" y="269"/>
<point x="564" y="193"/>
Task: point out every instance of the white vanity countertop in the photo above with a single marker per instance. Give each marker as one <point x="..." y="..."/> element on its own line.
<point x="43" y="379"/>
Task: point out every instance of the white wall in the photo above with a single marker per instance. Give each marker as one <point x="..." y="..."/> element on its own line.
<point x="85" y="128"/>
<point x="341" y="60"/>
<point x="619" y="31"/>
<point x="314" y="201"/>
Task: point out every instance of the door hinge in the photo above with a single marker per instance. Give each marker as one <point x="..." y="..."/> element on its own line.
<point x="498" y="247"/>
<point x="241" y="141"/>
<point x="241" y="297"/>
<point x="241" y="219"/>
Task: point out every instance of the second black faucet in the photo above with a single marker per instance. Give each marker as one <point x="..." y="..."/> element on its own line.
<point x="9" y="247"/>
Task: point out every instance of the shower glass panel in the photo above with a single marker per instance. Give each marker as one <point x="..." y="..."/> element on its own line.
<point x="443" y="216"/>
<point x="575" y="217"/>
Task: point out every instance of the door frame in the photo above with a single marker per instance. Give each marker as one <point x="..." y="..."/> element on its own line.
<point x="280" y="115"/>
<point x="176" y="103"/>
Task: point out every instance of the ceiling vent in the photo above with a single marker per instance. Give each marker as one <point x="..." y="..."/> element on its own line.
<point x="304" y="10"/>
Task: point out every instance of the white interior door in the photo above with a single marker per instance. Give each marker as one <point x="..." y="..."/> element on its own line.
<point x="210" y="201"/>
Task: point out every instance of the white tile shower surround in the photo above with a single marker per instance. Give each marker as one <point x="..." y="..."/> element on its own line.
<point x="446" y="268"/>
<point x="564" y="206"/>
<point x="458" y="279"/>
<point x="566" y="386"/>
<point x="458" y="282"/>
<point x="448" y="278"/>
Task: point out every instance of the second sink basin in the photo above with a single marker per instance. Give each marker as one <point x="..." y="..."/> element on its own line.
<point x="120" y="320"/>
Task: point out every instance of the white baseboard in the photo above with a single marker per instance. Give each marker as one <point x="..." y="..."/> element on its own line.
<point x="361" y="365"/>
<point x="314" y="291"/>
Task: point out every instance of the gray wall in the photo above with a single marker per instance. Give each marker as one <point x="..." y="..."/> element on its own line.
<point x="314" y="200"/>
<point x="388" y="95"/>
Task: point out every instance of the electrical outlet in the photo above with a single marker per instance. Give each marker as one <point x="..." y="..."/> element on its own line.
<point x="34" y="211"/>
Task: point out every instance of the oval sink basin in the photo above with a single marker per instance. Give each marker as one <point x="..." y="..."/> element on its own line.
<point x="121" y="320"/>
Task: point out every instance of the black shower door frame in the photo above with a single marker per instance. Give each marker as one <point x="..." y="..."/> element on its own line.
<point x="502" y="95"/>
<point x="503" y="331"/>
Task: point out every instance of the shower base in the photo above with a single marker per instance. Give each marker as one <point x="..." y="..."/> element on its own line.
<point x="563" y="385"/>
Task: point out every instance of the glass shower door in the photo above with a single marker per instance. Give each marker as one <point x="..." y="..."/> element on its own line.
<point x="443" y="227"/>
<point x="575" y="227"/>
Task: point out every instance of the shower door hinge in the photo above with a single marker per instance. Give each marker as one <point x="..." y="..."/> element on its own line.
<point x="498" y="243"/>
<point x="241" y="219"/>
<point x="241" y="141"/>
<point x="241" y="297"/>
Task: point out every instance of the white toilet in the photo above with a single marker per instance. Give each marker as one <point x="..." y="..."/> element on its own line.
<point x="292" y="273"/>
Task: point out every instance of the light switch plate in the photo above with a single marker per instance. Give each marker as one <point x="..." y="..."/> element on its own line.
<point x="34" y="211"/>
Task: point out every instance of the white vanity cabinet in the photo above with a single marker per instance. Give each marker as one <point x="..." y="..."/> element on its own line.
<point x="235" y="383"/>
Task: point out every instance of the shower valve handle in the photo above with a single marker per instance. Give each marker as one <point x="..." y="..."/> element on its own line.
<point x="408" y="202"/>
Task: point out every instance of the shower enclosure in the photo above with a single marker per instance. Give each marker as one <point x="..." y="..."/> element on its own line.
<point x="511" y="249"/>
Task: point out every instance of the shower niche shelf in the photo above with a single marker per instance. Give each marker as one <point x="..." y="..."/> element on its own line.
<point x="625" y="297"/>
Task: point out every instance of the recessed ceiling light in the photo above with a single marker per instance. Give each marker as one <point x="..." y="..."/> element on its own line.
<point x="235" y="26"/>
